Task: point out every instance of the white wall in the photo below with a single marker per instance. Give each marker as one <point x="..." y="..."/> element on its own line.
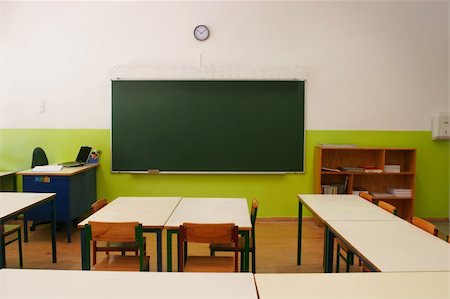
<point x="369" y="65"/>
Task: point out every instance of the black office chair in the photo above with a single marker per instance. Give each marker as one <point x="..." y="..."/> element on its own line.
<point x="39" y="159"/>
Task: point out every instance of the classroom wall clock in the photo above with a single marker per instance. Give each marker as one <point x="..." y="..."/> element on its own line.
<point x="201" y="32"/>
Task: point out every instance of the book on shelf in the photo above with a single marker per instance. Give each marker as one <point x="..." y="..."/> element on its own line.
<point x="392" y="168"/>
<point x="330" y="169"/>
<point x="351" y="169"/>
<point x="372" y="169"/>
<point x="400" y="192"/>
<point x="381" y="195"/>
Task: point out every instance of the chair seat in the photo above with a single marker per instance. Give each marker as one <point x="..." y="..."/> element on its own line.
<point x="230" y="246"/>
<point x="10" y="228"/>
<point x="209" y="264"/>
<point x="121" y="263"/>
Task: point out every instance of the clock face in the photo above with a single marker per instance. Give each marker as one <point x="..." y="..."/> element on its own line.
<point x="201" y="32"/>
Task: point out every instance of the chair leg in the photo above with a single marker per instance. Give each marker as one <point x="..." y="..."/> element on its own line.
<point x="19" y="239"/>
<point x="242" y="261"/>
<point x="337" y="258"/>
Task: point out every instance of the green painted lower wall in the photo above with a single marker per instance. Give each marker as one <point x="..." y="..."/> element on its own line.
<point x="276" y="193"/>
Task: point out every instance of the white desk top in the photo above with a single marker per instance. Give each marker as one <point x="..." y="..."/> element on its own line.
<point x="5" y="173"/>
<point x="66" y="171"/>
<point x="211" y="210"/>
<point x="344" y="207"/>
<point x="149" y="211"/>
<point x="395" y="245"/>
<point x="424" y="285"/>
<point x="13" y="202"/>
<point x="21" y="283"/>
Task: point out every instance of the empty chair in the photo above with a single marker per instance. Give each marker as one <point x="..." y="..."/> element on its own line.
<point x="366" y="196"/>
<point x="425" y="225"/>
<point x="388" y="207"/>
<point x="104" y="246"/>
<point x="13" y="230"/>
<point x="39" y="158"/>
<point x="119" y="232"/>
<point x="211" y="234"/>
<point x="241" y="246"/>
<point x="342" y="252"/>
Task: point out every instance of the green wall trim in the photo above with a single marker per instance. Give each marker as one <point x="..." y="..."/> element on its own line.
<point x="276" y="193"/>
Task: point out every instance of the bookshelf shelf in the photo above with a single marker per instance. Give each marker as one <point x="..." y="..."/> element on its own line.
<point x="361" y="159"/>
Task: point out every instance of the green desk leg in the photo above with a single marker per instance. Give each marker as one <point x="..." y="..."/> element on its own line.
<point x="245" y="233"/>
<point x="299" y="237"/>
<point x="170" y="232"/>
<point x="328" y="250"/>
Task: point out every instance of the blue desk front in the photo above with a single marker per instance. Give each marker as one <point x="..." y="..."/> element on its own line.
<point x="75" y="189"/>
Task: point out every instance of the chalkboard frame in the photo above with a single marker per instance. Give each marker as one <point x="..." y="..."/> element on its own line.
<point x="157" y="170"/>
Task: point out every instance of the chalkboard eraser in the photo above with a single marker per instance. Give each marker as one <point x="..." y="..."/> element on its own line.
<point x="153" y="171"/>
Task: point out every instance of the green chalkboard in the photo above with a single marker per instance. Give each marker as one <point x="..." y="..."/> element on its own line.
<point x="208" y="126"/>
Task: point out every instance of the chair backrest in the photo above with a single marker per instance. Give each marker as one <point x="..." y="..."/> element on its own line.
<point x="100" y="203"/>
<point x="39" y="157"/>
<point x="366" y="196"/>
<point x="425" y="225"/>
<point x="117" y="232"/>
<point x="388" y="207"/>
<point x="217" y="233"/>
<point x="254" y="212"/>
<point x="114" y="231"/>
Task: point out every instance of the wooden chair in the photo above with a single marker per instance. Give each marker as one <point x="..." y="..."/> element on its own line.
<point x="241" y="246"/>
<point x="128" y="232"/>
<point x="366" y="196"/>
<point x="342" y="252"/>
<point x="388" y="207"/>
<point x="425" y="225"/>
<point x="15" y="231"/>
<point x="207" y="233"/>
<point x="122" y="247"/>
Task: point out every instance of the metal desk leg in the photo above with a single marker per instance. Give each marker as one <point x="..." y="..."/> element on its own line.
<point x="328" y="250"/>
<point x="158" y="232"/>
<point x="53" y="214"/>
<point x="2" y="247"/>
<point x="85" y="258"/>
<point x="299" y="237"/>
<point x="247" y="250"/>
<point x="170" y="232"/>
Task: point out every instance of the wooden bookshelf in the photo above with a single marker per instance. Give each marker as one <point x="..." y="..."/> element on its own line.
<point x="367" y="164"/>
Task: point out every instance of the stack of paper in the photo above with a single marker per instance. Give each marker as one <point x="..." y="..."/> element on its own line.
<point x="399" y="192"/>
<point x="47" y="168"/>
<point x="391" y="168"/>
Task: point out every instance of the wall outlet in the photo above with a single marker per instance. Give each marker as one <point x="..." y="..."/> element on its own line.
<point x="440" y="126"/>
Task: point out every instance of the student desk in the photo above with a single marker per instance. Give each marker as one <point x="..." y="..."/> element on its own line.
<point x="111" y="284"/>
<point x="151" y="212"/>
<point x="338" y="208"/>
<point x="76" y="190"/>
<point x="13" y="204"/>
<point x="390" y="246"/>
<point x="210" y="210"/>
<point x="8" y="181"/>
<point x="425" y="285"/>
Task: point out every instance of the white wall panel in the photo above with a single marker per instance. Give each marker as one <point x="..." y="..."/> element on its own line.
<point x="369" y="65"/>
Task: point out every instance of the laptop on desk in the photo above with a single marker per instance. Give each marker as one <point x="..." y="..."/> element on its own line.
<point x="83" y="156"/>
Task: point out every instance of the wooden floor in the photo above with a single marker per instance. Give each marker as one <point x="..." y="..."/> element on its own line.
<point x="276" y="243"/>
